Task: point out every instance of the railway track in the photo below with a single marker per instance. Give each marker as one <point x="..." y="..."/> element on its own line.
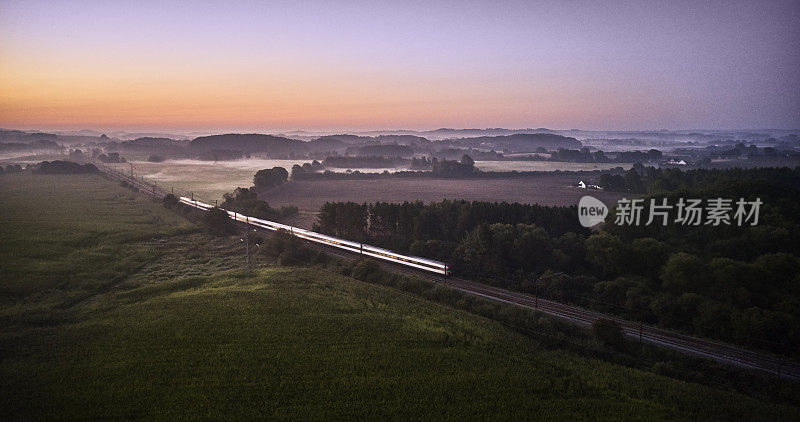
<point x="703" y="348"/>
<point x="718" y="351"/>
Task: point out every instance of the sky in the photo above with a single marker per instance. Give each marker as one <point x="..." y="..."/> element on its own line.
<point x="364" y="65"/>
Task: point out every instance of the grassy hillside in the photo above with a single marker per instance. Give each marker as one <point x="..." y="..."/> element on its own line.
<point x="146" y="340"/>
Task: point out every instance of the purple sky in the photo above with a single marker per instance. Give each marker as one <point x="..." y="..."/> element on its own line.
<point x="368" y="65"/>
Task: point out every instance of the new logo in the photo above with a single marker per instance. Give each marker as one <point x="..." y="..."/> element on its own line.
<point x="591" y="211"/>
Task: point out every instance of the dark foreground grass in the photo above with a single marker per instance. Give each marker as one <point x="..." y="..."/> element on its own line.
<point x="65" y="238"/>
<point x="286" y="343"/>
<point x="300" y="343"/>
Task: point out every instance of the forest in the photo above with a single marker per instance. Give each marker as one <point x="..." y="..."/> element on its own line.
<point x="733" y="283"/>
<point x="585" y="155"/>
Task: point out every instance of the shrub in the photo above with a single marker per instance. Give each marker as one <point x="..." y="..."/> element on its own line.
<point x="609" y="332"/>
<point x="217" y="222"/>
<point x="368" y="270"/>
<point x="269" y="178"/>
<point x="170" y="201"/>
<point x="287" y="248"/>
<point x="288" y="211"/>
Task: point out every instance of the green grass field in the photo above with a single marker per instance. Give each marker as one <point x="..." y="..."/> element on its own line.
<point x="173" y="331"/>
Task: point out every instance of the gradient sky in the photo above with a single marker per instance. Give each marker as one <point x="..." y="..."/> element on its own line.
<point x="278" y="66"/>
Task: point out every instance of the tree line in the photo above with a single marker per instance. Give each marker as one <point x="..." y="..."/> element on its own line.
<point x="437" y="227"/>
<point x="584" y="155"/>
<point x="736" y="284"/>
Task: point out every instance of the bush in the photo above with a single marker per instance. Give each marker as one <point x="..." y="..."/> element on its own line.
<point x="269" y="178"/>
<point x="288" y="211"/>
<point x="245" y="201"/>
<point x="609" y="332"/>
<point x="170" y="201"/>
<point x="368" y="270"/>
<point x="288" y="249"/>
<point x="218" y="222"/>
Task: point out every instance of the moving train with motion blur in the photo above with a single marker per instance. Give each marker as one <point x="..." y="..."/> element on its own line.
<point x="356" y="247"/>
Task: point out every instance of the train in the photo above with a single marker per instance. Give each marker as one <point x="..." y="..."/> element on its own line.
<point x="363" y="249"/>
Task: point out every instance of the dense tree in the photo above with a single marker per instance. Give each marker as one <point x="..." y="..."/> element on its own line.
<point x="269" y="178"/>
<point x="170" y="201"/>
<point x="245" y="201"/>
<point x="609" y="332"/>
<point x="733" y="283"/>
<point x="217" y="222"/>
<point x="683" y="272"/>
<point x="454" y="169"/>
<point x="608" y="253"/>
<point x="289" y="250"/>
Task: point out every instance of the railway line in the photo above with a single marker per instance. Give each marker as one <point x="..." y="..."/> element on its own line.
<point x="703" y="348"/>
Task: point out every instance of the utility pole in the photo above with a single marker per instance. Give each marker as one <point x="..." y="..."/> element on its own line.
<point x="640" y="332"/>
<point x="249" y="260"/>
<point x="536" y="288"/>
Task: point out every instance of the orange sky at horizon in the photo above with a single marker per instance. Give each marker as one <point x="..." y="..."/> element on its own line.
<point x="99" y="97"/>
<point x="152" y="89"/>
<point x="352" y="64"/>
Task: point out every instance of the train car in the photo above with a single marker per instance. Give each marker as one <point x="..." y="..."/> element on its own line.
<point x="194" y="203"/>
<point x="356" y="247"/>
<point x="411" y="261"/>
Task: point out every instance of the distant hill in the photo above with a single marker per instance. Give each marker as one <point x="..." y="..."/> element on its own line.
<point x="248" y="143"/>
<point x="327" y="144"/>
<point x="342" y="142"/>
<point x="167" y="146"/>
<point x="155" y="142"/>
<point x="523" y="142"/>
<point x="345" y="139"/>
<point x="402" y="139"/>
<point x="25" y="137"/>
<point x="135" y="135"/>
<point x="392" y="150"/>
<point x="39" y="145"/>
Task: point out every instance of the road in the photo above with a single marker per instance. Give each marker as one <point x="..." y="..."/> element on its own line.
<point x="718" y="351"/>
